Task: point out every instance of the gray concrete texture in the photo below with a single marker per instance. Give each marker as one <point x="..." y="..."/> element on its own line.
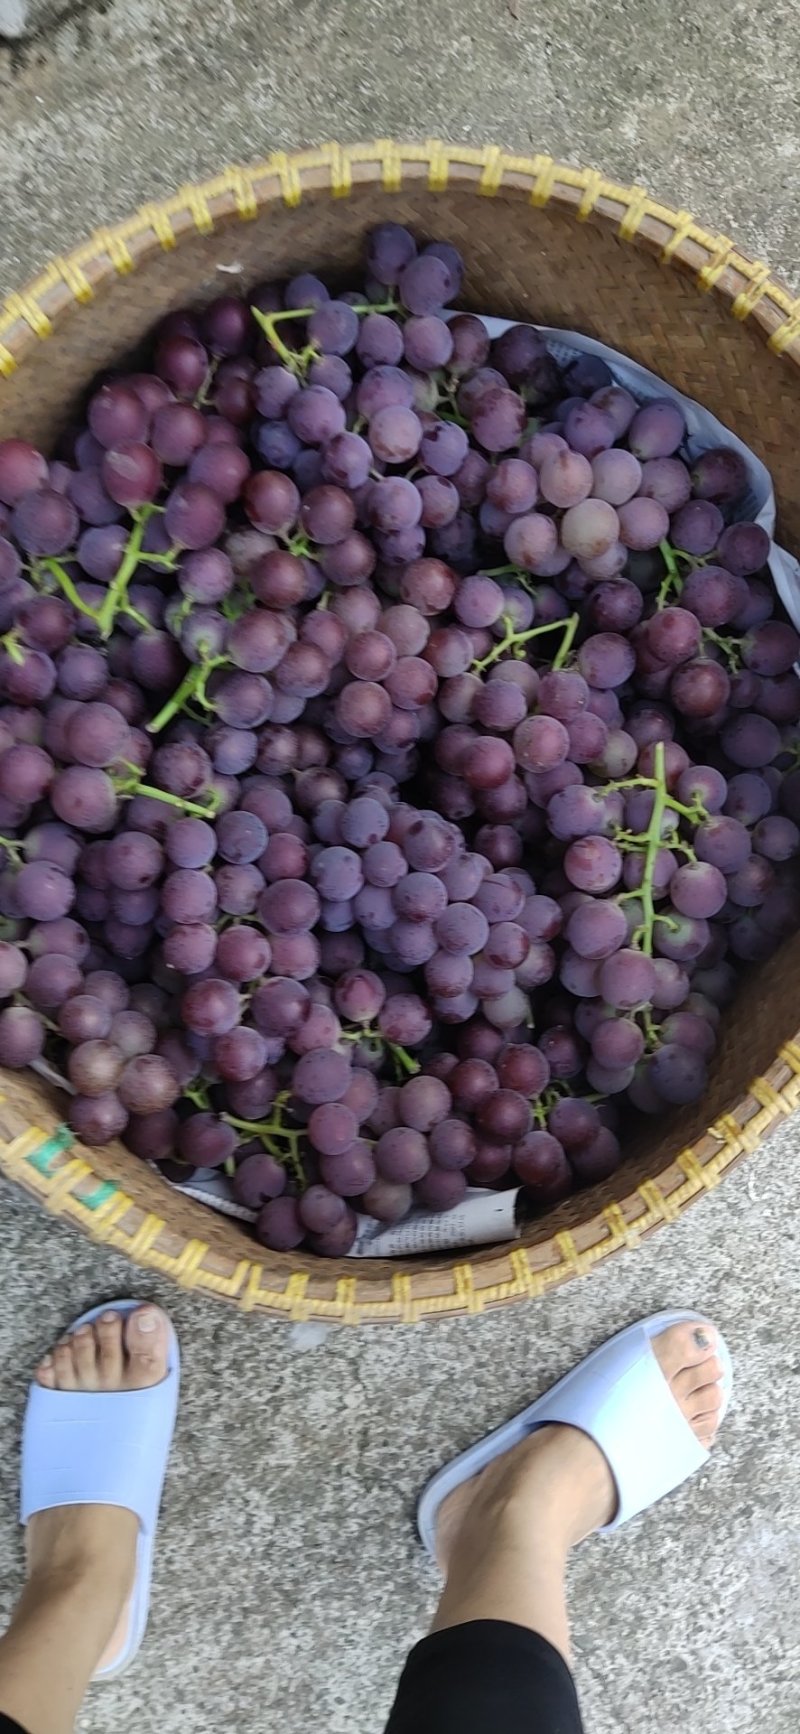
<point x="289" y="1583"/>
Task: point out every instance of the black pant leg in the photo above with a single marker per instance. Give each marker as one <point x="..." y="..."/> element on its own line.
<point x="9" y="1727"/>
<point x="485" y="1677"/>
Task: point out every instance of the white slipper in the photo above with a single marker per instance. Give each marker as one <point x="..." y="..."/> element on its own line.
<point x="620" y="1397"/>
<point x="104" y="1448"/>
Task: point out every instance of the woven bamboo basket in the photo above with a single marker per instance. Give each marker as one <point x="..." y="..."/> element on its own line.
<point x="545" y="242"/>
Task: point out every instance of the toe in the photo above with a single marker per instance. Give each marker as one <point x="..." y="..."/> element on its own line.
<point x="685" y="1345"/>
<point x="692" y="1379"/>
<point x="64" y="1367"/>
<point x="706" y="1403"/>
<point x="109" y="1351"/>
<point x="84" y="1357"/>
<point x="706" y="1430"/>
<point x="689" y="1358"/>
<point x="45" y="1373"/>
<point x="146" y="1344"/>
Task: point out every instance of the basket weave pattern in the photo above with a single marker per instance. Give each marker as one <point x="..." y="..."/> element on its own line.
<point x="676" y="322"/>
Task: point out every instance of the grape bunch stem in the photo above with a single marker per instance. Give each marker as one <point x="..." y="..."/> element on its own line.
<point x="115" y="601"/>
<point x="515" y="642"/>
<point x="651" y="841"/>
<point x="673" y="581"/>
<point x="404" y="1061"/>
<point x="132" y="785"/>
<point x="643" y="935"/>
<point x="299" y="360"/>
<point x="279" y="1140"/>
<point x="192" y="688"/>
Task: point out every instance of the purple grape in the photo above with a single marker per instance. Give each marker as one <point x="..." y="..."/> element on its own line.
<point x="588" y="429"/>
<point x="258" y="1178"/>
<point x="541" y="1164"/>
<point x="696" y="527"/>
<point x="627" y="979"/>
<point x="657" y="430"/>
<point x="278" y="1225"/>
<point x="678" y="1074"/>
<point x="23" y="470"/>
<point x="719" y="474"/>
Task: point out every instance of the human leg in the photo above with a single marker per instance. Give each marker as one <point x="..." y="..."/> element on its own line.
<point x="80" y="1558"/>
<point x="499" y="1652"/>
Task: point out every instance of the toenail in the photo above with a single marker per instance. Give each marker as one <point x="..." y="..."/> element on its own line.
<point x="146" y="1320"/>
<point x="83" y="1331"/>
<point x="702" y="1339"/>
<point x="109" y="1318"/>
<point x="46" y="1361"/>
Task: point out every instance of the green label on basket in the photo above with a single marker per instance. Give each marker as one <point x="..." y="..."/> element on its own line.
<point x="98" y="1195"/>
<point x="45" y="1156"/>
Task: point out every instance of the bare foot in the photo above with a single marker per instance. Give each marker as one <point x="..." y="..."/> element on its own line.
<point x="560" y="1477"/>
<point x="93" y="1547"/>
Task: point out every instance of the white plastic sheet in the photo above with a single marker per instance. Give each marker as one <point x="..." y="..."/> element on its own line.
<point x="704" y="431"/>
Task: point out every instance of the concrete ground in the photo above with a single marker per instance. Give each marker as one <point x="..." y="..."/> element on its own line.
<point x="289" y="1583"/>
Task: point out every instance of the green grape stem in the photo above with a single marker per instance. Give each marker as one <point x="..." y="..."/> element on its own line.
<point x="115" y="600"/>
<point x="672" y="583"/>
<point x="11" y="645"/>
<point x="299" y="360"/>
<point x="168" y="561"/>
<point x="198" y="1095"/>
<point x="523" y="579"/>
<point x="237" y="602"/>
<point x="280" y="1141"/>
<point x="448" y="410"/>
<point x="503" y="572"/>
<point x="651" y="1030"/>
<point x="116" y="594"/>
<point x="514" y="641"/>
<point x="404" y="1061"/>
<point x="132" y="785"/>
<point x="300" y="546"/>
<point x="695" y="814"/>
<point x="133" y="614"/>
<point x="192" y="688"/>
<point x="202" y="399"/>
<point x="730" y="648"/>
<point x="543" y="1104"/>
<point x="55" y="570"/>
<point x="653" y="841"/>
<point x="549" y="1098"/>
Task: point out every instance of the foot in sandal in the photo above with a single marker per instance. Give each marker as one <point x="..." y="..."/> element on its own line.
<point x="95" y="1545"/>
<point x="98" y="1427"/>
<point x="625" y="1427"/>
<point x="564" y="1473"/>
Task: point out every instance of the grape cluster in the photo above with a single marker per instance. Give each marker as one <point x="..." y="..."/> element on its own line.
<point x="399" y="754"/>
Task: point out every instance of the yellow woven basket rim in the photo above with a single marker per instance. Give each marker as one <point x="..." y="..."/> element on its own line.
<point x="45" y="1160"/>
<point x="750" y="286"/>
